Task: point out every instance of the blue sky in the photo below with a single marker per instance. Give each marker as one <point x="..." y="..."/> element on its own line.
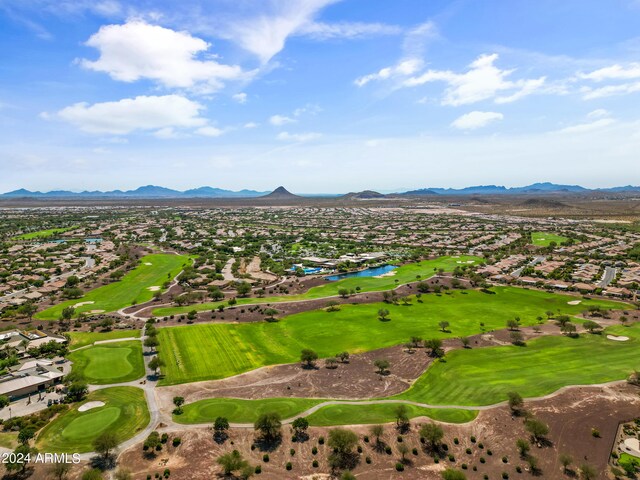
<point x="318" y="95"/>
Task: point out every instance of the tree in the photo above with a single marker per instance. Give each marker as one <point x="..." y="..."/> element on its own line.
<point x="155" y="363"/>
<point x="383" y="313"/>
<point x="523" y="447"/>
<point x="347" y="475"/>
<point x="232" y="462"/>
<point x="28" y="309"/>
<point x="220" y="428"/>
<point x="402" y="416"/>
<point x="451" y="474"/>
<point x="435" y="347"/>
<point x="67" y="313"/>
<point x="269" y="425"/>
<point x="4" y="401"/>
<point x="517" y="338"/>
<point x="465" y="342"/>
<point x="403" y="450"/>
<point x="377" y="431"/>
<point x="60" y="470"/>
<point x="565" y="460"/>
<point x="569" y="329"/>
<point x="591" y="326"/>
<point x="332" y="306"/>
<point x="308" y="357"/>
<point x="343" y="292"/>
<point x="515" y="401"/>
<point x="300" y="426"/>
<point x="537" y="428"/>
<point x="105" y="443"/>
<point x="343" y="356"/>
<point x="512" y="324"/>
<point x="26" y="434"/>
<point x="587" y="472"/>
<point x="270" y="313"/>
<point x="77" y="391"/>
<point x="342" y="441"/>
<point x="443" y="325"/>
<point x="178" y="402"/>
<point x="151" y="342"/>
<point x="216" y="294"/>
<point x="243" y="289"/>
<point x="432" y="435"/>
<point x="331" y="362"/>
<point x="382" y="365"/>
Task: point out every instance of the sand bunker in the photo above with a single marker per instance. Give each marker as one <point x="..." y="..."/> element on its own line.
<point x="96" y="311"/>
<point x="468" y="261"/>
<point x="147" y="263"/>
<point x="618" y="338"/>
<point x="82" y="303"/>
<point x="574" y="302"/>
<point x="388" y="274"/>
<point x="155" y="288"/>
<point x="89" y="406"/>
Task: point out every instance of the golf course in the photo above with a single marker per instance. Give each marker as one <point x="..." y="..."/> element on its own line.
<point x="137" y="286"/>
<point x="108" y="363"/>
<point x="544" y="239"/>
<point x="124" y="414"/>
<point x="83" y="339"/>
<point x="401" y="275"/>
<point x="212" y="351"/>
<point x="43" y="233"/>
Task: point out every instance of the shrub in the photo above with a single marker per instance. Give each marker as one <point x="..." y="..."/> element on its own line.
<point x="473" y="439"/>
<point x="321" y="440"/>
<point x="456" y="441"/>
<point x="468" y="450"/>
<point x="314" y="450"/>
<point x="399" y="467"/>
<point x="176" y="441"/>
<point x="505" y="460"/>
<point x="289" y="466"/>
<point x="265" y="457"/>
<point x="315" y="464"/>
<point x="505" y="475"/>
<point x="367" y="459"/>
<point x="415" y="451"/>
<point x="387" y="450"/>
<point x="258" y="469"/>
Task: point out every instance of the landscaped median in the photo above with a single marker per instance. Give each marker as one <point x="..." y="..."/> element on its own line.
<point x="352" y="413"/>
<point x="411" y="272"/>
<point x="211" y="351"/>
<point x="124" y="414"/>
<point x="109" y="363"/>
<point x="137" y="286"/>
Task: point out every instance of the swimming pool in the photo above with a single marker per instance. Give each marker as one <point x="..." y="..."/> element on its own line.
<point x="369" y="272"/>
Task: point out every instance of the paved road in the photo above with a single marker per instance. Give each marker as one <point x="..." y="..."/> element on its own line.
<point x="516" y="273"/>
<point x="607" y="277"/>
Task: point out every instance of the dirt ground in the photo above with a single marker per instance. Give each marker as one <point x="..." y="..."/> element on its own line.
<point x="570" y="415"/>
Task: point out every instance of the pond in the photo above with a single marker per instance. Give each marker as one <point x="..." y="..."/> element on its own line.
<point x="369" y="272"/>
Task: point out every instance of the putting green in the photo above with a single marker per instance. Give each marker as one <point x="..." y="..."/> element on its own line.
<point x="132" y="289"/>
<point x="211" y="351"/>
<point x="107" y="363"/>
<point x="407" y="273"/>
<point x="124" y="414"/>
<point x="82" y="339"/>
<point x="544" y="239"/>
<point x="484" y="376"/>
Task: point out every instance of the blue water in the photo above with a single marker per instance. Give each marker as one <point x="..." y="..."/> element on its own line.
<point x="369" y="272"/>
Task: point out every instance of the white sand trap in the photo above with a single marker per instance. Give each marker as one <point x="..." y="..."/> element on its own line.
<point x="89" y="406"/>
<point x="96" y="311"/>
<point x="83" y="303"/>
<point x="147" y="263"/>
<point x="388" y="274"/>
<point x="574" y="302"/>
<point x="617" y="338"/>
<point x="155" y="288"/>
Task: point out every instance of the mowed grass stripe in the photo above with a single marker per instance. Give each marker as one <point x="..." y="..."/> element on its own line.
<point x="485" y="376"/>
<point x="212" y="351"/>
<point x="132" y="289"/>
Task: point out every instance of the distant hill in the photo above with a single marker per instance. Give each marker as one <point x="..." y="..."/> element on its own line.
<point x="148" y="191"/>
<point x="535" y="188"/>
<point x="421" y="191"/>
<point x="364" y="195"/>
<point x="280" y="193"/>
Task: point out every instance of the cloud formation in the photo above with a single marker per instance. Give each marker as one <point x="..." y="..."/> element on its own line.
<point x="476" y="119"/>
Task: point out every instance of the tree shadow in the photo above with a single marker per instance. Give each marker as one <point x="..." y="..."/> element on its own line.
<point x="267" y="444"/>
<point x="220" y="437"/>
<point x="103" y="462"/>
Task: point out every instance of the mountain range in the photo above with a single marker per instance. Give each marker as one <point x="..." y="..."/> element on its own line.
<point x="153" y="191"/>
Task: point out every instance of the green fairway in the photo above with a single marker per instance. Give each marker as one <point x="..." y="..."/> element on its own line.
<point x="82" y="339"/>
<point x="242" y="411"/>
<point x="211" y="351"/>
<point x="363" y="414"/>
<point x="483" y="376"/>
<point x="124" y="414"/>
<point x="247" y="411"/>
<point x="107" y="363"/>
<point x="407" y="273"/>
<point x="544" y="239"/>
<point x="135" y="287"/>
<point x="42" y="233"/>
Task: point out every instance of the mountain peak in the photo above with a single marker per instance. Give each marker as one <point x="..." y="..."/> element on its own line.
<point x="280" y="192"/>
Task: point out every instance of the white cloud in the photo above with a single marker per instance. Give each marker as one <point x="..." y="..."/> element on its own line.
<point x="251" y="125"/>
<point x="588" y="127"/>
<point x="476" y="119"/>
<point x="240" y="97"/>
<point x="166" y="133"/>
<point x="589" y="93"/>
<point x="298" y="137"/>
<point x="598" y="113"/>
<point x="137" y="50"/>
<point x="613" y="72"/>
<point x="132" y="114"/>
<point x="350" y="30"/>
<point x="280" y="120"/>
<point x="403" y="68"/>
<point x="209" y="131"/>
<point x="482" y="81"/>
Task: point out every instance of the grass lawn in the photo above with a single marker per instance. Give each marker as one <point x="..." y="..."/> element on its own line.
<point x="124" y="414"/>
<point x="626" y="459"/>
<point x="484" y="376"/>
<point x="42" y="233"/>
<point x="357" y="414"/>
<point x="109" y="363"/>
<point x="210" y="351"/>
<point x="132" y="289"/>
<point x="544" y="239"/>
<point x="242" y="411"/>
<point x="82" y="339"/>
<point x="9" y="440"/>
<point x="404" y="274"/>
